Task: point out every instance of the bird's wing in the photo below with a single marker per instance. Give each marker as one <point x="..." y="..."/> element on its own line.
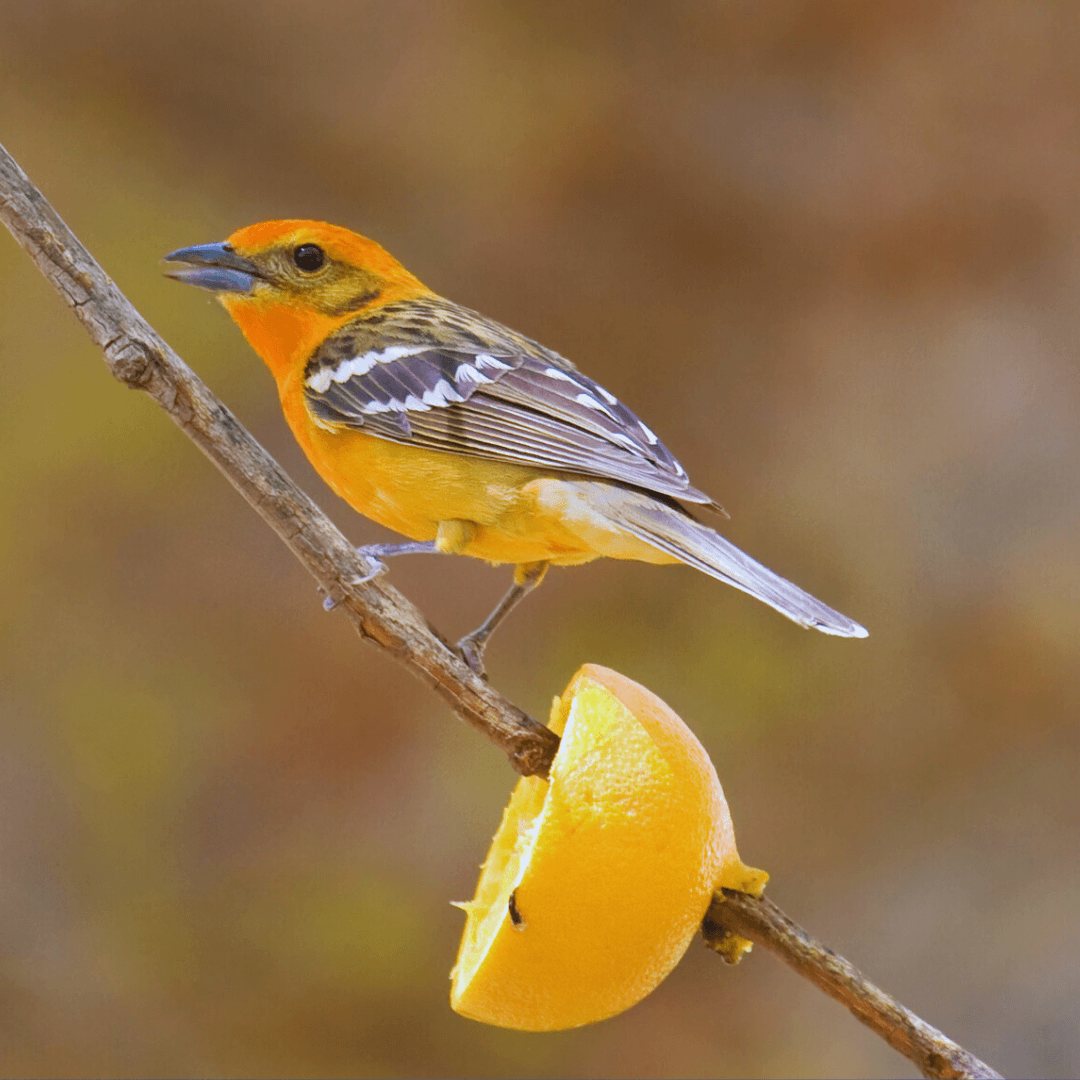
<point x="503" y="405"/>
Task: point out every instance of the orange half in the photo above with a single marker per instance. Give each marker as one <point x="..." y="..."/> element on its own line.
<point x="596" y="881"/>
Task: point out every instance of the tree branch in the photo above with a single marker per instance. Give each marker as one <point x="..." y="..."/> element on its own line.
<point x="140" y="359"/>
<point x="762" y="921"/>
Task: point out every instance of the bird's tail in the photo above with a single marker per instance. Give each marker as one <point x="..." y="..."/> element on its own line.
<point x="679" y="535"/>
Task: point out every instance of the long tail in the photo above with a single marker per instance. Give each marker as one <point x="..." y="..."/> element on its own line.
<point x="681" y="536"/>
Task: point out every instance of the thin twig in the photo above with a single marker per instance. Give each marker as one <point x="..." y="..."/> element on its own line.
<point x="140" y="359"/>
<point x="763" y="922"/>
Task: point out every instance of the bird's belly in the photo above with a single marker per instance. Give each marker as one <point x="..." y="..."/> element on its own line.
<point x="412" y="489"/>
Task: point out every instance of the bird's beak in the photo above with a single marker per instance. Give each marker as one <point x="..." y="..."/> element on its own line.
<point x="213" y="266"/>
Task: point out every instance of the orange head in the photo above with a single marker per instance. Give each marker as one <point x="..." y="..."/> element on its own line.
<point x="288" y="284"/>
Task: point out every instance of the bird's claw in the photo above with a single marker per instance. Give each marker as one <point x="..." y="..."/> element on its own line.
<point x="472" y="652"/>
<point x="376" y="568"/>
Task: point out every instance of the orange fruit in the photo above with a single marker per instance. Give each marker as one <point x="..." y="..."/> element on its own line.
<point x="596" y="881"/>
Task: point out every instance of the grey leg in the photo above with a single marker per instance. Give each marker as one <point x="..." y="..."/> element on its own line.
<point x="415" y="547"/>
<point x="377" y="552"/>
<point x="472" y="646"/>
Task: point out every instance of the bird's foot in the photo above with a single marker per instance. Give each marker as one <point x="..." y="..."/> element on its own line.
<point x="375" y="567"/>
<point x="471" y="649"/>
<point x="375" y="553"/>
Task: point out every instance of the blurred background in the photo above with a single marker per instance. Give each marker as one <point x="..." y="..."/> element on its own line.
<point x="830" y="251"/>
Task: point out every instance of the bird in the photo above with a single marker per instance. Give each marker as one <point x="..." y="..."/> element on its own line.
<point x="458" y="432"/>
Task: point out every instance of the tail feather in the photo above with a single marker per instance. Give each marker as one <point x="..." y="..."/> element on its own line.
<point x="682" y="537"/>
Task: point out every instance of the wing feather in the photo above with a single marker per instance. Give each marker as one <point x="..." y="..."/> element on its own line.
<point x="499" y="405"/>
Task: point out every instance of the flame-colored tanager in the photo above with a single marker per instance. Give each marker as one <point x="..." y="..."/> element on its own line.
<point x="457" y="431"/>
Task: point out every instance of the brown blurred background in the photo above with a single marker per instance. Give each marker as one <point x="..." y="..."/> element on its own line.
<point x="830" y="251"/>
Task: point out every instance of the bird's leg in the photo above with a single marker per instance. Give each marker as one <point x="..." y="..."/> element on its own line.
<point x="526" y="577"/>
<point x="381" y="551"/>
<point x="452" y="538"/>
<point x="377" y="552"/>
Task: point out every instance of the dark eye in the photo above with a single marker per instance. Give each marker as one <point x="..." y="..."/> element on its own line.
<point x="309" y="257"/>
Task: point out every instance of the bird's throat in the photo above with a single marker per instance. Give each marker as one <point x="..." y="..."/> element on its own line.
<point x="283" y="335"/>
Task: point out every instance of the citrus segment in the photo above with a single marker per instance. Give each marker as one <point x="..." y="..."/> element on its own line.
<point x="596" y="881"/>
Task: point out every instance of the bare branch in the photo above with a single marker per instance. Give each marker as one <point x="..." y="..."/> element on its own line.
<point x="140" y="359"/>
<point x="763" y="922"/>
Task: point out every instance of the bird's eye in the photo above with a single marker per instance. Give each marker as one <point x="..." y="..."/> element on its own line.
<point x="309" y="257"/>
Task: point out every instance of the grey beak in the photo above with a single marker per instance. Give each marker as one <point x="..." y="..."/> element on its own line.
<point x="213" y="266"/>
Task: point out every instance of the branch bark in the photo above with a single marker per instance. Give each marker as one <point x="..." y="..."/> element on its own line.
<point x="762" y="921"/>
<point x="138" y="357"/>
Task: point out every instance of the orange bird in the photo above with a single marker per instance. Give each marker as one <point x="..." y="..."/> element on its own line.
<point x="456" y="431"/>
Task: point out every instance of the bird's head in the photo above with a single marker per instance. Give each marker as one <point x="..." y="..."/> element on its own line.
<point x="290" y="283"/>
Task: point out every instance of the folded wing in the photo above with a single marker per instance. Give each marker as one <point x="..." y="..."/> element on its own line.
<point x="502" y="406"/>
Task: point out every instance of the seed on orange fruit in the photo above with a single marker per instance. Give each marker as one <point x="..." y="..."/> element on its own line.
<point x="597" y="880"/>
